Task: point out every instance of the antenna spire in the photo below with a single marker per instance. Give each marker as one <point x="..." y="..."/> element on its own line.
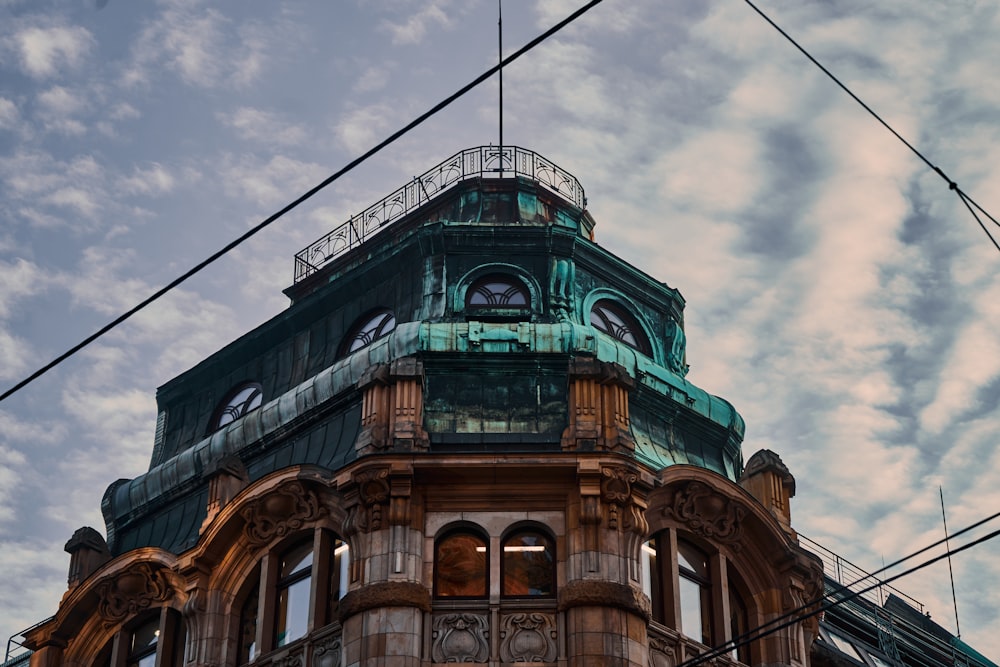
<point x="500" y="72"/>
<point x="954" y="600"/>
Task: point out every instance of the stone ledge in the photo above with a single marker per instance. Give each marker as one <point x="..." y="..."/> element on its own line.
<point x="585" y="593"/>
<point x="385" y="594"/>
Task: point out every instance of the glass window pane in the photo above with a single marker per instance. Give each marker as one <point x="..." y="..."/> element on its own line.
<point x="293" y="612"/>
<point x="145" y="636"/>
<point x="651" y="584"/>
<point x="528" y="565"/>
<point x="297" y="560"/>
<point x="377" y="326"/>
<point x="497" y="291"/>
<point x="460" y="565"/>
<point x="691" y="609"/>
<point x="609" y="317"/>
<point x="247" y="650"/>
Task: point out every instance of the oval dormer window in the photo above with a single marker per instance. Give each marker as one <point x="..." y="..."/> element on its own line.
<point x="243" y="399"/>
<point x="371" y="327"/>
<point x="609" y="317"/>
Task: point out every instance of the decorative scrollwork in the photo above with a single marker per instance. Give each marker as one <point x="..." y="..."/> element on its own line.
<point x="708" y="513"/>
<point x="280" y="512"/>
<point x="460" y="638"/>
<point x="373" y="488"/>
<point x="661" y="654"/>
<point x="528" y="638"/>
<point x="136" y="589"/>
<point x="327" y="654"/>
<point x="482" y="161"/>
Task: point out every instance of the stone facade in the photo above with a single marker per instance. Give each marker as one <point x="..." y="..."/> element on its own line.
<point x="500" y="473"/>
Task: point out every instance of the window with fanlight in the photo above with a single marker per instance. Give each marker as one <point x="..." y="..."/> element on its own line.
<point x="243" y="399"/>
<point x="497" y="292"/>
<point x="613" y="319"/>
<point x="368" y="329"/>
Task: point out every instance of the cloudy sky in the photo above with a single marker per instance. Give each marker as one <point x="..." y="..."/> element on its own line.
<point x="838" y="294"/>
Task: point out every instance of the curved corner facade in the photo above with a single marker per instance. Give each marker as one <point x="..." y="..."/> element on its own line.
<point x="469" y="439"/>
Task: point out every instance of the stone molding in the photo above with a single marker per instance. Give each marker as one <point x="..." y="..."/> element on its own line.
<point x="385" y="594"/>
<point x="599" y="593"/>
<point x="528" y="637"/>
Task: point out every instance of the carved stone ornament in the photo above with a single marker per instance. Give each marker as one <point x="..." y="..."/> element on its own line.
<point x="282" y="511"/>
<point x="528" y="638"/>
<point x="136" y="589"/>
<point x="294" y="659"/>
<point x="622" y="510"/>
<point x="708" y="513"/>
<point x="327" y="654"/>
<point x="661" y="654"/>
<point x="460" y="638"/>
<point x="373" y="489"/>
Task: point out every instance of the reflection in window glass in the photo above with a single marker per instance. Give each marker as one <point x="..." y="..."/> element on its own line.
<point x="376" y="326"/>
<point x="695" y="593"/>
<point x="338" y="577"/>
<point x="739" y="623"/>
<point x="460" y="561"/>
<point x="651" y="584"/>
<point x="247" y="648"/>
<point x="612" y="319"/>
<point x="528" y="565"/>
<point x="293" y="594"/>
<point x="497" y="291"/>
<point x="144" y="640"/>
<point x="243" y="401"/>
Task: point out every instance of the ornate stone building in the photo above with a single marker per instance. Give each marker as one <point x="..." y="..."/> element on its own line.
<point x="469" y="439"/>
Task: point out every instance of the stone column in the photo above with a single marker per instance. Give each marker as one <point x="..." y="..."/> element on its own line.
<point x="605" y="611"/>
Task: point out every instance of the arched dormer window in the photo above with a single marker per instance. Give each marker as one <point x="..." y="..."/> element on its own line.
<point x="461" y="565"/>
<point x="243" y="399"/>
<point x="497" y="291"/>
<point x="611" y="318"/>
<point x="369" y="329"/>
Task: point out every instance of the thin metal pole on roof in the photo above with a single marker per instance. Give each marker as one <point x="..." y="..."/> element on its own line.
<point x="500" y="73"/>
<point x="954" y="600"/>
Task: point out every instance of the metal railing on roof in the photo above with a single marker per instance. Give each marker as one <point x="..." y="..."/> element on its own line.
<point x="846" y="573"/>
<point x="482" y="161"/>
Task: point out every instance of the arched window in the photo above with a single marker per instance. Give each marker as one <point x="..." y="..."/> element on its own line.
<point x="679" y="577"/>
<point x="294" y="591"/>
<point x="243" y="399"/>
<point x="609" y="316"/>
<point x="528" y="567"/>
<point x="369" y="329"/>
<point x="497" y="291"/>
<point x="154" y="637"/>
<point x="461" y="561"/>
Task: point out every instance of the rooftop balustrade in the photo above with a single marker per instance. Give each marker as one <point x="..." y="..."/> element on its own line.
<point x="479" y="162"/>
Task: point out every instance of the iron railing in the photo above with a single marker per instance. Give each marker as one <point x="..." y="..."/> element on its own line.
<point x="482" y="161"/>
<point x="846" y="573"/>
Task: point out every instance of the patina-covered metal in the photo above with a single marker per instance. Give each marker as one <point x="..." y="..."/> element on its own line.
<point x="491" y="379"/>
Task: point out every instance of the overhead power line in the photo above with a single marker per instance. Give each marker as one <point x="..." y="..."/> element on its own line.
<point x="839" y="596"/>
<point x="952" y="185"/>
<point x="308" y="195"/>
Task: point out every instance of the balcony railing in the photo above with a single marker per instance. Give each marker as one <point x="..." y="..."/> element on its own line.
<point x="482" y="161"/>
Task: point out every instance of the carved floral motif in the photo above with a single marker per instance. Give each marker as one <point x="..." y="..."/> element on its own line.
<point x="460" y="638"/>
<point x="284" y="510"/>
<point x="616" y="492"/>
<point x="528" y="638"/>
<point x="134" y="590"/>
<point x="709" y="513"/>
